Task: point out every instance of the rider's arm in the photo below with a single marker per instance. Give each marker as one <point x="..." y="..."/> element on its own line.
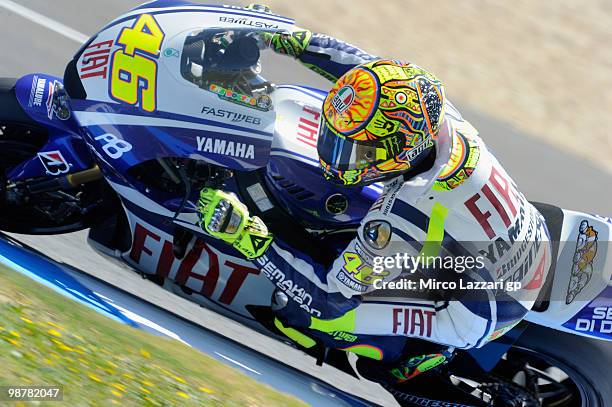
<point x="305" y="282"/>
<point x="310" y="287"/>
<point x="327" y="56"/>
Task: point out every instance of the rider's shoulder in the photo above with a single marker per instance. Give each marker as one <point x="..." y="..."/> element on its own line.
<point x="464" y="154"/>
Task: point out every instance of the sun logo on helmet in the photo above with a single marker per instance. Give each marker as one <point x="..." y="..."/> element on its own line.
<point x="401" y="98"/>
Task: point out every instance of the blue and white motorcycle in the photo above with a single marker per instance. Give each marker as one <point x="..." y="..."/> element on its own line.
<point x="170" y="98"/>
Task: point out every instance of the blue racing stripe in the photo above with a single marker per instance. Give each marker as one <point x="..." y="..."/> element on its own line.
<point x="82" y="105"/>
<point x="51" y="275"/>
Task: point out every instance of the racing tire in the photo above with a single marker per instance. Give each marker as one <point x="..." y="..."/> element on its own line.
<point x="586" y="362"/>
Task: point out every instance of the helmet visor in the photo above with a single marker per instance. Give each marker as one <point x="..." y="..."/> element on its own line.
<point x="345" y="154"/>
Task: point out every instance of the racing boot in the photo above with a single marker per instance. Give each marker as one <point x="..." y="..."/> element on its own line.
<point x="396" y="374"/>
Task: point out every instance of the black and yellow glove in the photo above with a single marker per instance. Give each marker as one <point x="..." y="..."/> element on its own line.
<point x="224" y="217"/>
<point x="285" y="43"/>
<point x="292" y="44"/>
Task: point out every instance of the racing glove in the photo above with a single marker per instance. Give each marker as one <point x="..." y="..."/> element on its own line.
<point x="292" y="44"/>
<point x="223" y="216"/>
<point x="285" y="43"/>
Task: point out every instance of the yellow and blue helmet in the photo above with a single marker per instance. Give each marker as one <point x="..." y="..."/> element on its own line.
<point x="380" y="119"/>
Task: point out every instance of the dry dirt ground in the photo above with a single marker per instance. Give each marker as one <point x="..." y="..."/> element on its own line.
<point x="544" y="66"/>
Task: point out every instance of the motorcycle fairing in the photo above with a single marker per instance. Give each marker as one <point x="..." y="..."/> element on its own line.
<point x="65" y="151"/>
<point x="184" y="120"/>
<point x="581" y="293"/>
<point x="214" y="274"/>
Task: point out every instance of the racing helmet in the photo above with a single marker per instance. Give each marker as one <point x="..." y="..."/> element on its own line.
<point x="380" y="119"/>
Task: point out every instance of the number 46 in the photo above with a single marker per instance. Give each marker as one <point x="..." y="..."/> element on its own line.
<point x="134" y="71"/>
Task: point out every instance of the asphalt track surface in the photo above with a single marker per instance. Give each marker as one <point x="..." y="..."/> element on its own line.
<point x="542" y="172"/>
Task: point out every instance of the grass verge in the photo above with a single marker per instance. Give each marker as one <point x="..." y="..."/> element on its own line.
<point x="47" y="339"/>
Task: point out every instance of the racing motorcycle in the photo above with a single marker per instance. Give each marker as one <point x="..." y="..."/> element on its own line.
<point x="170" y="98"/>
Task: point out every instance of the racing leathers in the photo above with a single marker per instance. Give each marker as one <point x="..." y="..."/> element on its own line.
<point x="464" y="205"/>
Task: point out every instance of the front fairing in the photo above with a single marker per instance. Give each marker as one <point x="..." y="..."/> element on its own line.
<point x="135" y="105"/>
<point x="42" y="98"/>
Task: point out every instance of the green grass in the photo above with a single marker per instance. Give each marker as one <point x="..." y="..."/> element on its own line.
<point x="47" y="339"/>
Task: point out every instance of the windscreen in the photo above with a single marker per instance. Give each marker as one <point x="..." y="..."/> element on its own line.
<point x="226" y="61"/>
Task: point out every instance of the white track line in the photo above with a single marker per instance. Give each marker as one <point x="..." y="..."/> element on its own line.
<point x="237" y="363"/>
<point x="44" y="21"/>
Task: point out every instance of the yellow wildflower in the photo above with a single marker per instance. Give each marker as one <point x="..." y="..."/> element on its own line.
<point x="111" y="364"/>
<point x="145" y="353"/>
<point x="15" y="334"/>
<point x="62" y="345"/>
<point x="128" y="376"/>
<point x="182" y="394"/>
<point x="206" y="390"/>
<point x="13" y="342"/>
<point x="55" y="325"/>
<point x="26" y="320"/>
<point x="118" y="386"/>
<point x="147" y="383"/>
<point x="180" y="379"/>
<point x="83" y="361"/>
<point x="164" y="371"/>
<point x="48" y="362"/>
<point x="142" y="389"/>
<point x="116" y="393"/>
<point x="54" y="333"/>
<point x="94" y="377"/>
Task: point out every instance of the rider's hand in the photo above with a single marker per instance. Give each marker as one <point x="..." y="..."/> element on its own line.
<point x="224" y="217"/>
<point x="286" y="43"/>
<point x="292" y="44"/>
<point x="262" y="8"/>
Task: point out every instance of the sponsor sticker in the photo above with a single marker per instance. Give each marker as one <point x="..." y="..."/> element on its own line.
<point x="288" y="286"/>
<point x="582" y="263"/>
<point x="247" y="22"/>
<point x="262" y="103"/>
<point x="225" y="147"/>
<point x="343" y="99"/>
<point x="54" y="162"/>
<point x="171" y="53"/>
<point x="413" y="321"/>
<point x="37" y="91"/>
<point x="230" y="115"/>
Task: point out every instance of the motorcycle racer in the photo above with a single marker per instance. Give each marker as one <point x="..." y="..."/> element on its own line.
<point x="445" y="195"/>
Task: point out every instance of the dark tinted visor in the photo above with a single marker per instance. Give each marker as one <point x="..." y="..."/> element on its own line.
<point x="344" y="154"/>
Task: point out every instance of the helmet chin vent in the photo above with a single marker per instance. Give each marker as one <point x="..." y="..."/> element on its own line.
<point x="292" y="188"/>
